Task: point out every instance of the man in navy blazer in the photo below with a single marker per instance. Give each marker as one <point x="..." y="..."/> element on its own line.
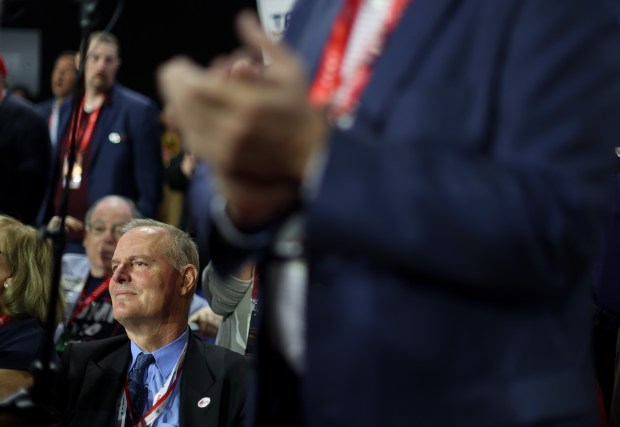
<point x="450" y="205"/>
<point x="118" y="140"/>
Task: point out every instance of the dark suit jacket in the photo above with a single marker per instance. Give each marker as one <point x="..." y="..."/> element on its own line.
<point x="456" y="219"/>
<point x="24" y="159"/>
<point x="45" y="107"/>
<point x="132" y="167"/>
<point x="92" y="376"/>
<point x="606" y="280"/>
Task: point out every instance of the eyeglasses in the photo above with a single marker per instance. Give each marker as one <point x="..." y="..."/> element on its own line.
<point x="98" y="228"/>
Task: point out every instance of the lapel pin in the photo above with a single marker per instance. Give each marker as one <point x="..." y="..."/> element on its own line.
<point x="202" y="403"/>
<point x="114" y="137"/>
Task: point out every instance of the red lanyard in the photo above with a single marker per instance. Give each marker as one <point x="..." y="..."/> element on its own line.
<point x="84" y="132"/>
<point x="161" y="399"/>
<point x="329" y="78"/>
<point x="255" y="285"/>
<point x="5" y="319"/>
<point x="82" y="302"/>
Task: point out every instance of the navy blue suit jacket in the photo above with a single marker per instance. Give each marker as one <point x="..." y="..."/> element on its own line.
<point x="132" y="167"/>
<point x="456" y="220"/>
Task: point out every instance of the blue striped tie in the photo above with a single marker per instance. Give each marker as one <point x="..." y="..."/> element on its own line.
<point x="136" y="386"/>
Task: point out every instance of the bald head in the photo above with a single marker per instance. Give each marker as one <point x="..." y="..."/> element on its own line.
<point x="103" y="223"/>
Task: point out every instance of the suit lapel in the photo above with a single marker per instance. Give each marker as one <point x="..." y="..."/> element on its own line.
<point x="196" y="384"/>
<point x="102" y="385"/>
<point x="309" y="40"/>
<point x="101" y="127"/>
<point x="398" y="61"/>
<point x="64" y="126"/>
<point x="64" y="117"/>
<point x="417" y="26"/>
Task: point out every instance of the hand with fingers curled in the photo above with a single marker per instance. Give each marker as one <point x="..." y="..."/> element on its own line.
<point x="71" y="224"/>
<point x="208" y="322"/>
<point x="251" y="123"/>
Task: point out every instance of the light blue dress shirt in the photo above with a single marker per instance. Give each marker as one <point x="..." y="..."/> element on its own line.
<point x="157" y="375"/>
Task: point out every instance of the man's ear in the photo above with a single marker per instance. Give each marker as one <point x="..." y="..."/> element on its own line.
<point x="188" y="284"/>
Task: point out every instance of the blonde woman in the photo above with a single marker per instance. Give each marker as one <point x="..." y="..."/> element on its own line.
<point x="25" y="285"/>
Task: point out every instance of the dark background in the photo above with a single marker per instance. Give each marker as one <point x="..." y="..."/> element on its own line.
<point x="150" y="32"/>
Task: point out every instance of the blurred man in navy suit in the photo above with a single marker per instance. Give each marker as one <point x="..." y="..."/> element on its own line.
<point x="442" y="166"/>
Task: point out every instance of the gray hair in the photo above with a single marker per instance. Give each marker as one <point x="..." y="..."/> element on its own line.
<point x="182" y="250"/>
<point x="135" y="213"/>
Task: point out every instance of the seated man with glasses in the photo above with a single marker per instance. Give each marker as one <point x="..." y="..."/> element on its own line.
<point x="85" y="278"/>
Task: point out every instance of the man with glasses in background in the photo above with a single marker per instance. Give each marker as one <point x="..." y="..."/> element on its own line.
<point x="85" y="279"/>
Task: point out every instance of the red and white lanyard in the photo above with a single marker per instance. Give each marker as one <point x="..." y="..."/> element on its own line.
<point x="84" y="133"/>
<point x="159" y="403"/>
<point x="329" y="78"/>
<point x="82" y="302"/>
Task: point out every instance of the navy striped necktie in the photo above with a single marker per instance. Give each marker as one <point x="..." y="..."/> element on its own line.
<point x="136" y="386"/>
